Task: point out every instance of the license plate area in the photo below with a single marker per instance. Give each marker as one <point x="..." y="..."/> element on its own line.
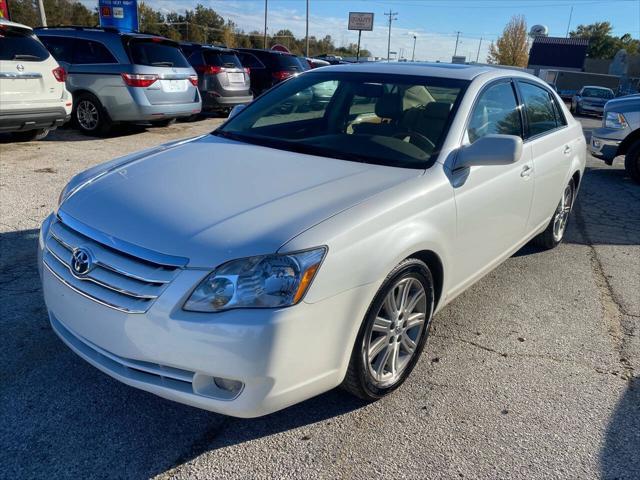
<point x="236" y="77"/>
<point x="174" y="85"/>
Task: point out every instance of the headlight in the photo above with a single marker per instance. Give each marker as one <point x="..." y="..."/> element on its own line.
<point x="265" y="281"/>
<point x="615" y="120"/>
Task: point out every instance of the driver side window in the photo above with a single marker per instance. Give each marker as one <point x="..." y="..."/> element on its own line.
<point x="496" y="111"/>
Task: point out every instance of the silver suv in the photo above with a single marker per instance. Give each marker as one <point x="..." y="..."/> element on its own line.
<point x="122" y="77"/>
<point x="619" y="134"/>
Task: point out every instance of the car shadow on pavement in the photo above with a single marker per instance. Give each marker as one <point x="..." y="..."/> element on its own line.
<point x="620" y="455"/>
<point x="64" y="418"/>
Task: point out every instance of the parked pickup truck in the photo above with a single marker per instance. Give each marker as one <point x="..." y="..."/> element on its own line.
<point x="619" y="134"/>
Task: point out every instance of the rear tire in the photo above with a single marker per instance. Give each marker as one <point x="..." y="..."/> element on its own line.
<point x="393" y="332"/>
<point x="89" y="116"/>
<point x="554" y="233"/>
<point x="632" y="162"/>
<point x="30" y="135"/>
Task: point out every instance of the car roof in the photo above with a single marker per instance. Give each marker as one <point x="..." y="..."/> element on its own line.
<point x="263" y="50"/>
<point x="598" y="87"/>
<point x="444" y="70"/>
<point x="94" y="31"/>
<point x="11" y="24"/>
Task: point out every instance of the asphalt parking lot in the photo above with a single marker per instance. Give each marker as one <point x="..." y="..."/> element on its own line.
<point x="532" y="373"/>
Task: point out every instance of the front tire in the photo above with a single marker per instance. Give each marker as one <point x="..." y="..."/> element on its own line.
<point x="393" y="333"/>
<point x="554" y="233"/>
<point x="632" y="162"/>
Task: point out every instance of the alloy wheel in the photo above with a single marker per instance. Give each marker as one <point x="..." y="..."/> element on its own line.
<point x="87" y="115"/>
<point x="562" y="213"/>
<point x="396" y="331"/>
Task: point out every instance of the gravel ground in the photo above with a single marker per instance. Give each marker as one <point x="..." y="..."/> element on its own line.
<point x="532" y="373"/>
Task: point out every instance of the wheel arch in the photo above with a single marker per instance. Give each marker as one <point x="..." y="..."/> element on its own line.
<point x="433" y="261"/>
<point x="629" y="140"/>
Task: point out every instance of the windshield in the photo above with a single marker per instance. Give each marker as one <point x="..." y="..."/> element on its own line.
<point x="597" y="93"/>
<point x="221" y="59"/>
<point x="156" y="54"/>
<point x="394" y="120"/>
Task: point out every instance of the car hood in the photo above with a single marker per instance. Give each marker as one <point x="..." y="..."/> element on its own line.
<point x="212" y="199"/>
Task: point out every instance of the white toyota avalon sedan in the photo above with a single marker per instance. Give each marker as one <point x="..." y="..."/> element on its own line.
<point x="308" y="241"/>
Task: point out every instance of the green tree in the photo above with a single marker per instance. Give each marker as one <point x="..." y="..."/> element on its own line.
<point x="601" y="43"/>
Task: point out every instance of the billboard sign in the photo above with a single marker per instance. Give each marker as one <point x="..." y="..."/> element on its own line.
<point x="120" y="14"/>
<point x="4" y="9"/>
<point x="360" y="21"/>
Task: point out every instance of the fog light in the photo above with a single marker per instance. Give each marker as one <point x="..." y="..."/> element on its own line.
<point x="596" y="143"/>
<point x="231" y="386"/>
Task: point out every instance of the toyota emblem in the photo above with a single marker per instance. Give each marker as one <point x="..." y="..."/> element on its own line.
<point x="20" y="67"/>
<point x="81" y="261"/>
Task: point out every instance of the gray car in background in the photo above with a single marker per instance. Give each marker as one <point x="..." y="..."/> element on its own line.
<point x="122" y="77"/>
<point x="619" y="134"/>
<point x="222" y="80"/>
<point x="591" y="100"/>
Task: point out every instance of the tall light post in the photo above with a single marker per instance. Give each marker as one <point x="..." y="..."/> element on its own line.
<point x="306" y="49"/>
<point x="265" y="23"/>
<point x="455" y="52"/>
<point x="413" y="55"/>
<point x="392" y="17"/>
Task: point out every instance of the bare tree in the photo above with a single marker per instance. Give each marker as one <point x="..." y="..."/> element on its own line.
<point x="512" y="47"/>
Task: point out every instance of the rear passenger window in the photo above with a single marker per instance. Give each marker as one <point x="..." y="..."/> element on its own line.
<point x="88" y="52"/>
<point x="61" y="48"/>
<point x="495" y="112"/>
<point x="539" y="108"/>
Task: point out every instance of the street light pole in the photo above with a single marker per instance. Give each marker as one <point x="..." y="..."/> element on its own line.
<point x="43" y="15"/>
<point x="479" y="45"/>
<point x="413" y="55"/>
<point x="392" y="17"/>
<point x="265" y="23"/>
<point x="456" y="50"/>
<point x="306" y="50"/>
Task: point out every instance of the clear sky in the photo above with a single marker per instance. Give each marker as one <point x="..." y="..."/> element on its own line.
<point x="434" y="22"/>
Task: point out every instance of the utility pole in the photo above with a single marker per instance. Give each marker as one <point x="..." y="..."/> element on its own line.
<point x="457" y="37"/>
<point x="43" y="15"/>
<point x="413" y="55"/>
<point x="479" y="45"/>
<point x="392" y="17"/>
<point x="265" y="23"/>
<point x="306" y="48"/>
<point x="569" y="24"/>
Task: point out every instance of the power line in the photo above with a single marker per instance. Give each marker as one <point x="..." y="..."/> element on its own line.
<point x="392" y="16"/>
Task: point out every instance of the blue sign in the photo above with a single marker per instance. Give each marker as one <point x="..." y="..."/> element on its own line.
<point x="120" y="14"/>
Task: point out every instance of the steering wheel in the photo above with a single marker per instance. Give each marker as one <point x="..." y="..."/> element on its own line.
<point x="421" y="141"/>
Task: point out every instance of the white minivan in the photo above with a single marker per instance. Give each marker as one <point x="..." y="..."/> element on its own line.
<point x="33" y="96"/>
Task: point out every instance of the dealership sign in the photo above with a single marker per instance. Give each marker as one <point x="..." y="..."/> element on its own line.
<point x="360" y="21"/>
<point x="120" y="14"/>
<point x="4" y="9"/>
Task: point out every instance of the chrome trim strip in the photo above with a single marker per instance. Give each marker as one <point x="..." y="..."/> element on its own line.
<point x="89" y="297"/>
<point x="126" y="247"/>
<point x="102" y="284"/>
<point x="21" y="76"/>
<point x="110" y="267"/>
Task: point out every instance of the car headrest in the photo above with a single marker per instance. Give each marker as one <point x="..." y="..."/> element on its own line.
<point x="437" y="110"/>
<point x="389" y="106"/>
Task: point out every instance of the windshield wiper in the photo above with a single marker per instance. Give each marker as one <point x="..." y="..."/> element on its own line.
<point x="162" y="64"/>
<point x="24" y="56"/>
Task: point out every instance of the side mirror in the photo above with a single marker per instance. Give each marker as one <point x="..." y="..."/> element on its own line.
<point x="235" y="111"/>
<point x="490" y="150"/>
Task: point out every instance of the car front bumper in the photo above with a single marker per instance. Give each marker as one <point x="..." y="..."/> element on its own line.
<point x="281" y="356"/>
<point x="589" y="108"/>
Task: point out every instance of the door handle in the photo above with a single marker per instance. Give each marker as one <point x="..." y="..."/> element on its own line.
<point x="567" y="150"/>
<point x="526" y="171"/>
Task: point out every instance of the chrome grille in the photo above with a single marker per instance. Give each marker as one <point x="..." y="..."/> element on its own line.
<point x="117" y="280"/>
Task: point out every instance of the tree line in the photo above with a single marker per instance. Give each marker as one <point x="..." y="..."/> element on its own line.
<point x="201" y="25"/>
